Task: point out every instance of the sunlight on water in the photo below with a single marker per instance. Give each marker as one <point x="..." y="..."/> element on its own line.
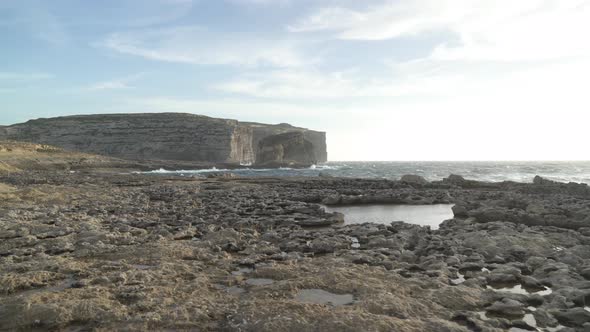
<point x="425" y="215"/>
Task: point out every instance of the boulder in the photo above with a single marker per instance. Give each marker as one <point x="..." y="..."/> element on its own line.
<point x="574" y="317"/>
<point x="507" y="307"/>
<point x="542" y="181"/>
<point x="414" y="179"/>
<point x="454" y="179"/>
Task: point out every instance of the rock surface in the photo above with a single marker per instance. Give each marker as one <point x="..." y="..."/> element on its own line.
<point x="99" y="250"/>
<point x="285" y="149"/>
<point x="159" y="136"/>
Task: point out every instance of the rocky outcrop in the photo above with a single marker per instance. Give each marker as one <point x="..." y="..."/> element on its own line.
<point x="159" y="136"/>
<point x="317" y="138"/>
<point x="121" y="252"/>
<point x="285" y="149"/>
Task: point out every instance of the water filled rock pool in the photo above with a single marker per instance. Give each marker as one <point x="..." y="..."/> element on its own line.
<point x="425" y="215"/>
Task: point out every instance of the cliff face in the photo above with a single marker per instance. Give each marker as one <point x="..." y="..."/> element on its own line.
<point x="158" y="136"/>
<point x="317" y="138"/>
<point x="286" y="148"/>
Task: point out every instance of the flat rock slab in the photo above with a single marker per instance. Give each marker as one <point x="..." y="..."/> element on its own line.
<point x="320" y="296"/>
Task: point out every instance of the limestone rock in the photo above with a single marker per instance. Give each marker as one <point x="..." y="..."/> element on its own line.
<point x="161" y="136"/>
<point x="285" y="149"/>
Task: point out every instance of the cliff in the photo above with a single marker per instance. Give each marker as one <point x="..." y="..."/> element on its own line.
<point x="284" y="149"/>
<point x="159" y="136"/>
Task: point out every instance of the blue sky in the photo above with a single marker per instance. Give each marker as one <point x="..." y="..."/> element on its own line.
<point x="387" y="79"/>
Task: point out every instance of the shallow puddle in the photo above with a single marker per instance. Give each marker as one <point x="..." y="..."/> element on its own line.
<point x="529" y="319"/>
<point x="425" y="215"/>
<point x="235" y="290"/>
<point x="518" y="289"/>
<point x="320" y="296"/>
<point x="459" y="280"/>
<point x="259" y="282"/>
<point x="355" y="243"/>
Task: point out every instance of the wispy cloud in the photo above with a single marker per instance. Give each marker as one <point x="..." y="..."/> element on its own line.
<point x="115" y="84"/>
<point x="244" y="109"/>
<point x="196" y="45"/>
<point x="528" y="29"/>
<point x="296" y="84"/>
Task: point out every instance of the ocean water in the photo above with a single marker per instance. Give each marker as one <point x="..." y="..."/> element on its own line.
<point x="432" y="171"/>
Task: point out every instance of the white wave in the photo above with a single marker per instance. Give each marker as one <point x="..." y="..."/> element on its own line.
<point x="184" y="171"/>
<point x="324" y="167"/>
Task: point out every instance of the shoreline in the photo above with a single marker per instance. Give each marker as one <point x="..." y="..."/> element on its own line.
<point x="104" y="251"/>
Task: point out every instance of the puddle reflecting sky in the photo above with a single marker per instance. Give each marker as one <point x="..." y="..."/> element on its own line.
<point x="425" y="215"/>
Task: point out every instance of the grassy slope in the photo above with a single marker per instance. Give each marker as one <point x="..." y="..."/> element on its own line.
<point x="19" y="156"/>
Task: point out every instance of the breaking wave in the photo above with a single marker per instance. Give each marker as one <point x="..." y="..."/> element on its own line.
<point x="432" y="171"/>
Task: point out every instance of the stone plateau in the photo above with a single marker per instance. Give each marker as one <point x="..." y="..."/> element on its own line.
<point x="94" y="249"/>
<point x="170" y="136"/>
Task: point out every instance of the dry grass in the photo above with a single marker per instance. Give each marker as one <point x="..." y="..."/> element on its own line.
<point x="4" y="188"/>
<point x="20" y="156"/>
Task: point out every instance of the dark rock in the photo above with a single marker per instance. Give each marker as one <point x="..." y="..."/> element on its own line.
<point x="454" y="179"/>
<point x="414" y="179"/>
<point x="507" y="307"/>
<point x="575" y="317"/>
<point x="459" y="210"/>
<point x="542" y="181"/>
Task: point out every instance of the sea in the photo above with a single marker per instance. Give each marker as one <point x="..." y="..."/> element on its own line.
<point x="562" y="171"/>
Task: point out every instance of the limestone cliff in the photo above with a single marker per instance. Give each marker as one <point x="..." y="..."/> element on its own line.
<point x="159" y="136"/>
<point x="285" y="149"/>
<point x="317" y="138"/>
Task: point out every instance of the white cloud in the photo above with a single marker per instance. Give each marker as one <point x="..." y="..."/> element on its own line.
<point x="297" y="84"/>
<point x="109" y="85"/>
<point x="116" y="84"/>
<point x="488" y="30"/>
<point x="195" y="45"/>
<point x="242" y="109"/>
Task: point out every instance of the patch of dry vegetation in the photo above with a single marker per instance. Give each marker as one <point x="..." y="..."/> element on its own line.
<point x="4" y="188"/>
<point x="21" y="156"/>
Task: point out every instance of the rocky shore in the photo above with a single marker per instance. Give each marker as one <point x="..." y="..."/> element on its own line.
<point x="101" y="250"/>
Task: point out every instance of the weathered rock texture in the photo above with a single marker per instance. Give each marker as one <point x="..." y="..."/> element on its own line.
<point x="285" y="148"/>
<point x="160" y="136"/>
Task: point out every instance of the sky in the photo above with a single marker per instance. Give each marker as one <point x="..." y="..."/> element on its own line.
<point x="386" y="79"/>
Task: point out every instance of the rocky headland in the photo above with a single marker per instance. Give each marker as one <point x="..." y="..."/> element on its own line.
<point x="99" y="249"/>
<point x="175" y="137"/>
